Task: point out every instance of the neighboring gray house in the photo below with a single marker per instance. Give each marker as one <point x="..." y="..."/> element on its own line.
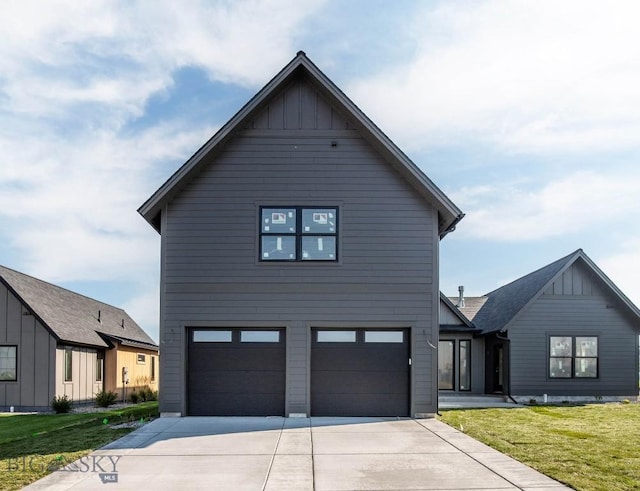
<point x="55" y="342"/>
<point x="299" y="263"/>
<point x="564" y="330"/>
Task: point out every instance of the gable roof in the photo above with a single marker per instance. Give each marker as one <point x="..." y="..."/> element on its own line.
<point x="472" y="306"/>
<point x="448" y="213"/>
<point x="466" y="326"/>
<point x="71" y="317"/>
<point x="504" y="305"/>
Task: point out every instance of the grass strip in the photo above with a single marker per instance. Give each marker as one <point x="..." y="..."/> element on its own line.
<point x="34" y="445"/>
<point x="592" y="447"/>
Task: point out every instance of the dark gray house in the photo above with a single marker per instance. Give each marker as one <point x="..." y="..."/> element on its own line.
<point x="564" y="330"/>
<point x="299" y="263"/>
<point x="55" y="342"/>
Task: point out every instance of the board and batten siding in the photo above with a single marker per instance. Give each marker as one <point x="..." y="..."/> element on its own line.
<point x="299" y="152"/>
<point x="83" y="386"/>
<point x="576" y="304"/>
<point x="34" y="387"/>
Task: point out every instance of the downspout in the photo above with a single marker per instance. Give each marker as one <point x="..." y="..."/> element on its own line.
<point x="509" y="381"/>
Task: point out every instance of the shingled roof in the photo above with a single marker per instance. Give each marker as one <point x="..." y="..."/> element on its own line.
<point x="74" y="318"/>
<point x="503" y="305"/>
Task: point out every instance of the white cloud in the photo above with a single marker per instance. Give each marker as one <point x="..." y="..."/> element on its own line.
<point x="525" y="76"/>
<point x="120" y="53"/>
<point x="574" y="203"/>
<point x="73" y="214"/>
<point x="622" y="266"/>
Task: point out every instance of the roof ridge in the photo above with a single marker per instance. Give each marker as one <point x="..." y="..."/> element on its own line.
<point x="563" y="260"/>
<point x="58" y="287"/>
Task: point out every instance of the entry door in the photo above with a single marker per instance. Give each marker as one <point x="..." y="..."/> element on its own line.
<point x="236" y="372"/>
<point x="360" y="372"/>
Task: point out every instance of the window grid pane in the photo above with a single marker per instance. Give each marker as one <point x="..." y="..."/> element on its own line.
<point x="8" y="365"/>
<point x="573" y="356"/>
<point x="383" y="337"/>
<point x="298" y="234"/>
<point x="259" y="336"/>
<point x="336" y="336"/>
<point x="211" y="336"/>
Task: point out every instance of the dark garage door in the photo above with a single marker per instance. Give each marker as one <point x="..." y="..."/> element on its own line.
<point x="360" y="372"/>
<point x="236" y="372"/>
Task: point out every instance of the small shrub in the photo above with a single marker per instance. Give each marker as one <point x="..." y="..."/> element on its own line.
<point x="533" y="402"/>
<point x="61" y="404"/>
<point x="134" y="397"/>
<point x="626" y="401"/>
<point x="148" y="394"/>
<point x="599" y="398"/>
<point x="105" y="398"/>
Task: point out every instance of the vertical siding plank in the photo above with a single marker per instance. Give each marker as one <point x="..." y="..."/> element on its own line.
<point x="41" y="366"/>
<point x="577" y="280"/>
<point x="261" y="121"/>
<point x="276" y="113"/>
<point x="323" y="109"/>
<point x="4" y="317"/>
<point x="567" y="280"/>
<point x="308" y="112"/>
<point x="14" y="320"/>
<point x="27" y="361"/>
<point x="292" y="107"/>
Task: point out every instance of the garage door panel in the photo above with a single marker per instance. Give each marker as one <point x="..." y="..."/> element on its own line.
<point x="340" y="359"/>
<point x="359" y="382"/>
<point x="360" y="404"/>
<point x="229" y="404"/>
<point x="234" y="378"/>
<point x="231" y="358"/>
<point x="264" y="381"/>
<point x="360" y="378"/>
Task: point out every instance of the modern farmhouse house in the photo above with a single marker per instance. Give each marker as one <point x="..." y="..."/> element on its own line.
<point x="299" y="263"/>
<point x="564" y="330"/>
<point x="55" y="342"/>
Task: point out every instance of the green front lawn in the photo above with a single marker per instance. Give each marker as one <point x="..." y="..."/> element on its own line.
<point x="594" y="447"/>
<point x="33" y="445"/>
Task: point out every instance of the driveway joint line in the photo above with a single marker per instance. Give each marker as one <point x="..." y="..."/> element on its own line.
<point x="470" y="456"/>
<point x="273" y="456"/>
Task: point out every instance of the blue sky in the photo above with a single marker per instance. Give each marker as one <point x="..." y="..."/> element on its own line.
<point x="524" y="113"/>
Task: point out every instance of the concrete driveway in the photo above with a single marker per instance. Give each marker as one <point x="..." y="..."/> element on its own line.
<point x="296" y="454"/>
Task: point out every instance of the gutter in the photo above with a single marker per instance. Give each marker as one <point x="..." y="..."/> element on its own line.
<point x="452" y="227"/>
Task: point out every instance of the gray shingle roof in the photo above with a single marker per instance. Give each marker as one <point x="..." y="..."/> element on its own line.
<point x="505" y="303"/>
<point x="471" y="306"/>
<point x="502" y="305"/>
<point x="72" y="317"/>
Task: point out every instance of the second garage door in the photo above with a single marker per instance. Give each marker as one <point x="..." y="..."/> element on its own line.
<point x="236" y="372"/>
<point x="360" y="372"/>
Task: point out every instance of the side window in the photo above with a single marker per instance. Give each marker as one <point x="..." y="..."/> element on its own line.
<point x="8" y="363"/>
<point x="68" y="365"/>
<point x="573" y="357"/>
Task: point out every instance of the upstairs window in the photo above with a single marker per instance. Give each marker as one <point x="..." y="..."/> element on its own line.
<point x="573" y="357"/>
<point x="298" y="234"/>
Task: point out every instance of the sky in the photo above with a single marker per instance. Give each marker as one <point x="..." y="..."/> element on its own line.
<point x="525" y="113"/>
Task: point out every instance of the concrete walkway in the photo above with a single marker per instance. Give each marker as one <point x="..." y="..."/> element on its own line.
<point x="297" y="454"/>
